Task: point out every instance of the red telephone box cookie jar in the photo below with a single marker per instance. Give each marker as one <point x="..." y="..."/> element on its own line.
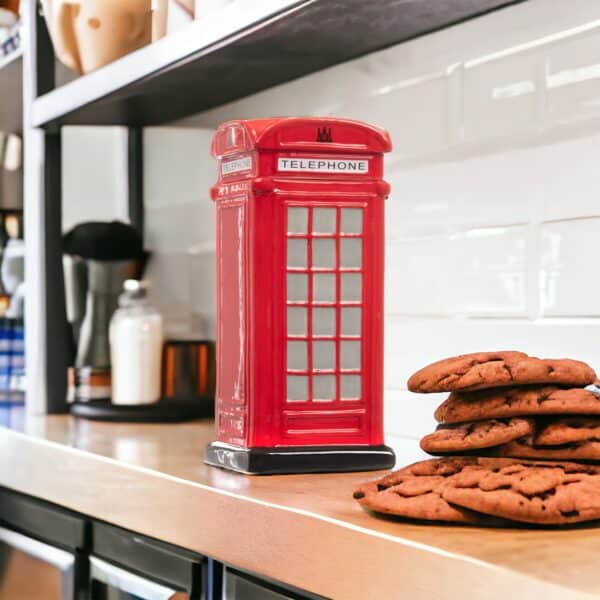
<point x="300" y="253"/>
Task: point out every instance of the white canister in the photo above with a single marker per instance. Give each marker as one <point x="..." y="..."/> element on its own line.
<point x="136" y="340"/>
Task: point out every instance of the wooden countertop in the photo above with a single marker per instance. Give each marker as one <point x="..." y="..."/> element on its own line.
<point x="305" y="530"/>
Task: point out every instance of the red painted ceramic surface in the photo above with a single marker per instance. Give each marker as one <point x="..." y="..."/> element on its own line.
<point x="300" y="265"/>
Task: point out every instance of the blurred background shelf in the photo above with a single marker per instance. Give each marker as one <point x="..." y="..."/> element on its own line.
<point x="11" y="122"/>
<point x="11" y="98"/>
<point x="248" y="47"/>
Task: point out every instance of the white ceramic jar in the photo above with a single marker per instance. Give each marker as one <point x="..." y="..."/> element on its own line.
<point x="136" y="340"/>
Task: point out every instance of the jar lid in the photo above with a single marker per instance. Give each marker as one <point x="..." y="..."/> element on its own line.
<point x="134" y="290"/>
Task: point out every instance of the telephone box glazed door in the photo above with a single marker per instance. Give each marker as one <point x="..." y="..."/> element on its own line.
<point x="330" y="378"/>
<point x="231" y="351"/>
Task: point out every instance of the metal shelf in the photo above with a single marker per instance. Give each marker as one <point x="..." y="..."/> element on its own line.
<point x="247" y="47"/>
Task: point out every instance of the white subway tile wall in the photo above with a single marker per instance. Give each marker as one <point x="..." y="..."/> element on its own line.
<point x="567" y="282"/>
<point x="179" y="215"/>
<point x="494" y="214"/>
<point x="94" y="174"/>
<point x="180" y="229"/>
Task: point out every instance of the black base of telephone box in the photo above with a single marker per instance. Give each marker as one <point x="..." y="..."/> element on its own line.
<point x="299" y="459"/>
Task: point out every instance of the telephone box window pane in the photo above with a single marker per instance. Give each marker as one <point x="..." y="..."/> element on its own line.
<point x="350" y="355"/>
<point x="352" y="220"/>
<point x="297" y="220"/>
<point x="323" y="253"/>
<point x="297" y="388"/>
<point x="350" y="387"/>
<point x="296" y="320"/>
<point x="324" y="388"/>
<point x="297" y="287"/>
<point x="324" y="220"/>
<point x="351" y="253"/>
<point x="351" y="287"/>
<point x="324" y="287"/>
<point x="323" y="321"/>
<point x="324" y="356"/>
<point x="297" y="356"/>
<point x="296" y="253"/>
<point x="351" y="321"/>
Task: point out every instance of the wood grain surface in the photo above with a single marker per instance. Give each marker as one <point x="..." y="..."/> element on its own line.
<point x="305" y="530"/>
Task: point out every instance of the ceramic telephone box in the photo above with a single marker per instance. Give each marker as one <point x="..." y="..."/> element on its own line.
<point x="300" y="265"/>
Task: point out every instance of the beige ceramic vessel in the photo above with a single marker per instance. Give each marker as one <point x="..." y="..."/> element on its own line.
<point x="88" y="34"/>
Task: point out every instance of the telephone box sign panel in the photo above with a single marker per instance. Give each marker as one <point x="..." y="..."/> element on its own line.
<point x="323" y="165"/>
<point x="231" y="191"/>
<point x="228" y="167"/>
<point x="300" y="251"/>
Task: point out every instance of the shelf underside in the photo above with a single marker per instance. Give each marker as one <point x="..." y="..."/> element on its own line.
<point x="211" y="63"/>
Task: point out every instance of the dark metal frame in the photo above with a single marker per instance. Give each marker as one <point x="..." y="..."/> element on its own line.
<point x="46" y="318"/>
<point x="161" y="83"/>
<point x="51" y="525"/>
<point x="135" y="172"/>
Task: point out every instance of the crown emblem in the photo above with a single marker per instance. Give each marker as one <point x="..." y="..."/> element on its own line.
<point x="324" y="134"/>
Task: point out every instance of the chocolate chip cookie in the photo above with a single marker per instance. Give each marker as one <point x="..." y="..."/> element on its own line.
<point x="497" y="369"/>
<point x="524" y="448"/>
<point x="546" y="493"/>
<point x="518" y="401"/>
<point x="566" y="430"/>
<point x="465" y="437"/>
<point x="415" y="492"/>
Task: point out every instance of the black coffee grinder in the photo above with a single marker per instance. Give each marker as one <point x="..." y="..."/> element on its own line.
<point x="98" y="258"/>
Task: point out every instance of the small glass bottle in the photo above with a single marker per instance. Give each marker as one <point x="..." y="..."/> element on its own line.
<point x="136" y="340"/>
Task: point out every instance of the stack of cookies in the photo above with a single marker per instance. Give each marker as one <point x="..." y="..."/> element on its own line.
<point x="512" y="405"/>
<point x="507" y="416"/>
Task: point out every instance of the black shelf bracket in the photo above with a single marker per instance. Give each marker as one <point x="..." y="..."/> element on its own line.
<point x="135" y="170"/>
<point x="45" y="313"/>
